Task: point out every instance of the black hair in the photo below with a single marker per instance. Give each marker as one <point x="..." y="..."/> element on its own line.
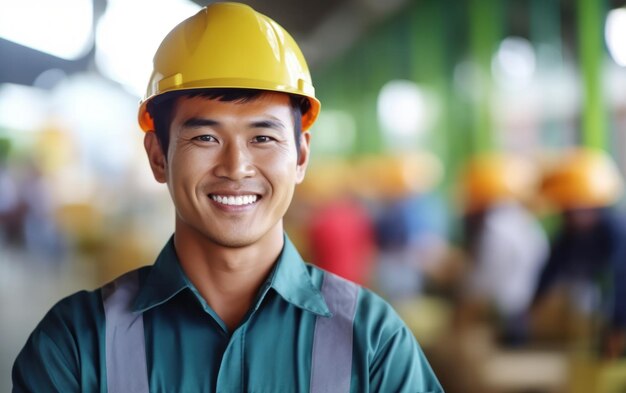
<point x="161" y="108"/>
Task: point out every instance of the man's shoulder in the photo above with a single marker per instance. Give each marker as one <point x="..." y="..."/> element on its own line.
<point x="375" y="317"/>
<point x="383" y="342"/>
<point x="76" y="310"/>
<point x="371" y="309"/>
<point x="69" y="326"/>
<point x="75" y="307"/>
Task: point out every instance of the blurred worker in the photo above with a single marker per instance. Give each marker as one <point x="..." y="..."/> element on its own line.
<point x="410" y="221"/>
<point x="229" y="304"/>
<point x="41" y="236"/>
<point x="588" y="255"/>
<point x="506" y="244"/>
<point x="339" y="228"/>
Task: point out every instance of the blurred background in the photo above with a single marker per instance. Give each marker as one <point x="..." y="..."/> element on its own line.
<point x="467" y="166"/>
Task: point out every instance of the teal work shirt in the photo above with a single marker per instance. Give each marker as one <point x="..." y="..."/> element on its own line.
<point x="190" y="349"/>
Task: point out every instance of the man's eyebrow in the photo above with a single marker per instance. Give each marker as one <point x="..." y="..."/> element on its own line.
<point x="274" y="124"/>
<point x="198" y="122"/>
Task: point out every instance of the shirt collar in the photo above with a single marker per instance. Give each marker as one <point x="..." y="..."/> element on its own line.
<point x="292" y="281"/>
<point x="289" y="278"/>
<point x="164" y="281"/>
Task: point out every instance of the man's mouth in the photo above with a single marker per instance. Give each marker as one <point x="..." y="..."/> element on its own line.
<point x="235" y="200"/>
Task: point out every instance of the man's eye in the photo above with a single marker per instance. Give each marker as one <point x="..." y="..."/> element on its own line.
<point x="262" y="139"/>
<point x="205" y="138"/>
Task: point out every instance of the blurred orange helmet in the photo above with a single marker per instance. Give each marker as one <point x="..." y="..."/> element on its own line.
<point x="399" y="175"/>
<point x="326" y="180"/>
<point x="492" y="178"/>
<point x="583" y="178"/>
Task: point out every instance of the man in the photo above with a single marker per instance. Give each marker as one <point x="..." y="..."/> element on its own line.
<point x="505" y="244"/>
<point x="587" y="260"/>
<point x="228" y="306"/>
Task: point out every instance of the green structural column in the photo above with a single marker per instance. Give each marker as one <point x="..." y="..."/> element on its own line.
<point x="365" y="70"/>
<point x="545" y="31"/>
<point x="591" y="52"/>
<point x="428" y="63"/>
<point x="432" y="56"/>
<point x="485" y="28"/>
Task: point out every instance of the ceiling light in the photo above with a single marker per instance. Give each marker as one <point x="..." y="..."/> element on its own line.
<point x="515" y="62"/>
<point x="615" y="31"/>
<point x="404" y="110"/>
<point x="128" y="35"/>
<point x="62" y="28"/>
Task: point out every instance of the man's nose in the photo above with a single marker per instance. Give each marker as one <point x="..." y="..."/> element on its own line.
<point x="234" y="162"/>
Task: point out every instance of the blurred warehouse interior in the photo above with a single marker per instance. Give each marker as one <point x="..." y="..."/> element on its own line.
<point x="444" y="131"/>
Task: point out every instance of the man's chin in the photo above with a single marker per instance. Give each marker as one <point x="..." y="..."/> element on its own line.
<point x="232" y="238"/>
<point x="234" y="242"/>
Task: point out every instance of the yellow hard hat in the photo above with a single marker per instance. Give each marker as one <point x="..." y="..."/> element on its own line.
<point x="583" y="178"/>
<point x="229" y="45"/>
<point x="492" y="178"/>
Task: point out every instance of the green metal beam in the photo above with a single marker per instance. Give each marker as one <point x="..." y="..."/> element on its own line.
<point x="545" y="30"/>
<point x="591" y="54"/>
<point x="485" y="30"/>
<point x="428" y="63"/>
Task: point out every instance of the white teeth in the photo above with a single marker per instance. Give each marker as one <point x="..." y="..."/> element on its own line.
<point x="234" y="201"/>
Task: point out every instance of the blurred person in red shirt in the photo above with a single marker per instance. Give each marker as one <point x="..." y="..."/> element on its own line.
<point x="340" y="229"/>
<point x="342" y="240"/>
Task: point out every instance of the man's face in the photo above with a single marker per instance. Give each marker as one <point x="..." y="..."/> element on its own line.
<point x="231" y="167"/>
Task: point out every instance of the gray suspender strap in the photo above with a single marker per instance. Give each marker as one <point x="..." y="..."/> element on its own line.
<point x="125" y="345"/>
<point x="331" y="363"/>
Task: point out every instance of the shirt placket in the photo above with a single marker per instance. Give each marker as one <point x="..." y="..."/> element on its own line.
<point x="230" y="378"/>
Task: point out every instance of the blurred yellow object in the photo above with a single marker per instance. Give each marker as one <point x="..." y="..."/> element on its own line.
<point x="79" y="218"/>
<point x="525" y="370"/>
<point x="428" y="317"/>
<point x="326" y="180"/>
<point x="612" y="377"/>
<point x="583" y="178"/>
<point x="229" y="45"/>
<point x="83" y="224"/>
<point x="590" y="374"/>
<point x="399" y="175"/>
<point x="492" y="178"/>
<point x="54" y="147"/>
<point x="125" y="251"/>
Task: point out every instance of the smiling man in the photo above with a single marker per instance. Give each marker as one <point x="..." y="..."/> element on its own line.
<point x="229" y="305"/>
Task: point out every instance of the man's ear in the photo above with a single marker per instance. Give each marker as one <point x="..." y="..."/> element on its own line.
<point x="303" y="159"/>
<point x="156" y="157"/>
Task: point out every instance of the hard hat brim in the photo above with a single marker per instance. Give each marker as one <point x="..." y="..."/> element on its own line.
<point x="147" y="123"/>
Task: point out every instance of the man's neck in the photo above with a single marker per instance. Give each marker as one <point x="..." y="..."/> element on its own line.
<point x="227" y="278"/>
